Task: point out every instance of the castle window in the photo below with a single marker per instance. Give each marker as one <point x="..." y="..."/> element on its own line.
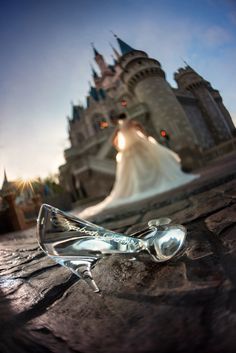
<point x="124" y="103"/>
<point x="103" y="124"/>
<point x="99" y="123"/>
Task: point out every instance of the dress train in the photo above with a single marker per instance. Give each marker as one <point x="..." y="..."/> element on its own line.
<point x="144" y="168"/>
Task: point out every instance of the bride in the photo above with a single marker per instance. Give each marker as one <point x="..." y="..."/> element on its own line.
<point x="144" y="167"/>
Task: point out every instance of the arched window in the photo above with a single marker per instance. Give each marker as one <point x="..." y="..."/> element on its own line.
<point x="99" y="122"/>
<point x="125" y="100"/>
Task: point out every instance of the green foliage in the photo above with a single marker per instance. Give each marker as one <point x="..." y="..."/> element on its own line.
<point x="49" y="185"/>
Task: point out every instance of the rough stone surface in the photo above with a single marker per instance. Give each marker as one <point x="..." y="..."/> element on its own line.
<point x="185" y="305"/>
<point x="222" y="219"/>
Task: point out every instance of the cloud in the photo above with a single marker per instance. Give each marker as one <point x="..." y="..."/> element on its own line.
<point x="215" y="36"/>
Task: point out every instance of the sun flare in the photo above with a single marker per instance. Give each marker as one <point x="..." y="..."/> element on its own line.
<point x="25" y="183"/>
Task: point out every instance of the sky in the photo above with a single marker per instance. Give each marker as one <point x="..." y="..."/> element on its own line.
<point x="46" y="55"/>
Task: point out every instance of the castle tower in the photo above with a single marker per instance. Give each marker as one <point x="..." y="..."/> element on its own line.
<point x="96" y="78"/>
<point x="117" y="55"/>
<point x="104" y="68"/>
<point x="146" y="79"/>
<point x="5" y="181"/>
<point x="210" y="102"/>
<point x="7" y="186"/>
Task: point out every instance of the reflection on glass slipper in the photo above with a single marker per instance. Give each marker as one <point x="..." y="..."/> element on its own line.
<point x="78" y="244"/>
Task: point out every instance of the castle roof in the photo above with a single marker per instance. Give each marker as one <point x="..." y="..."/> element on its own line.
<point x="95" y="75"/>
<point x="102" y="93"/>
<point x="7" y="186"/>
<point x="115" y="61"/>
<point x="93" y="93"/>
<point x="5" y="177"/>
<point x="76" y="112"/>
<point x="117" y="55"/>
<point x="95" y="50"/>
<point x="124" y="47"/>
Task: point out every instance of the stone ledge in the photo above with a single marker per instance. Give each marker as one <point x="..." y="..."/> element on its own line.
<point x="144" y="307"/>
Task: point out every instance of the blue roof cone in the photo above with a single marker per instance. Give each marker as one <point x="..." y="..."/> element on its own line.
<point x="124" y="47"/>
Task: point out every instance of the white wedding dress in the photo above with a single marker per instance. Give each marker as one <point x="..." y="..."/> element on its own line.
<point x="144" y="168"/>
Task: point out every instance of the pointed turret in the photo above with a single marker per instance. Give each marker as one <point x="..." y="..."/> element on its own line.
<point x="5" y="180"/>
<point x="7" y="186"/>
<point x="5" y="177"/>
<point x="93" y="93"/>
<point x="94" y="73"/>
<point x="124" y="47"/>
<point x="115" y="62"/>
<point x="117" y="54"/>
<point x="94" y="50"/>
<point x="100" y="61"/>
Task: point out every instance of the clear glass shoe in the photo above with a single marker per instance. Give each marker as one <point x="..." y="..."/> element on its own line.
<point x="78" y="244"/>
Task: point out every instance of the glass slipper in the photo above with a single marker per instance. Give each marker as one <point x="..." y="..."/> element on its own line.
<point x="78" y="244"/>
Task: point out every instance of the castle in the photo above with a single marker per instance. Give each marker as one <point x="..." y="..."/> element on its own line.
<point x="190" y="119"/>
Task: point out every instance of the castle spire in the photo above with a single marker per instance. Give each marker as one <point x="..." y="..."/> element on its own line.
<point x="94" y="50"/>
<point x="117" y="54"/>
<point x="187" y="65"/>
<point x="93" y="93"/>
<point x="185" y="62"/>
<point x="124" y="47"/>
<point x="5" y="183"/>
<point x="114" y="59"/>
<point x="95" y="75"/>
<point x="5" y="177"/>
<point x="100" y="60"/>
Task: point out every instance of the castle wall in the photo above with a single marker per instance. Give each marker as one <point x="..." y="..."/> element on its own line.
<point x="96" y="183"/>
<point x="165" y="111"/>
<point x="227" y="117"/>
<point x="198" y="124"/>
<point x="213" y="115"/>
<point x="216" y="116"/>
<point x="193" y="116"/>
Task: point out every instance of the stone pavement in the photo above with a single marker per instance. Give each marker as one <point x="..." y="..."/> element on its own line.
<point x="187" y="305"/>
